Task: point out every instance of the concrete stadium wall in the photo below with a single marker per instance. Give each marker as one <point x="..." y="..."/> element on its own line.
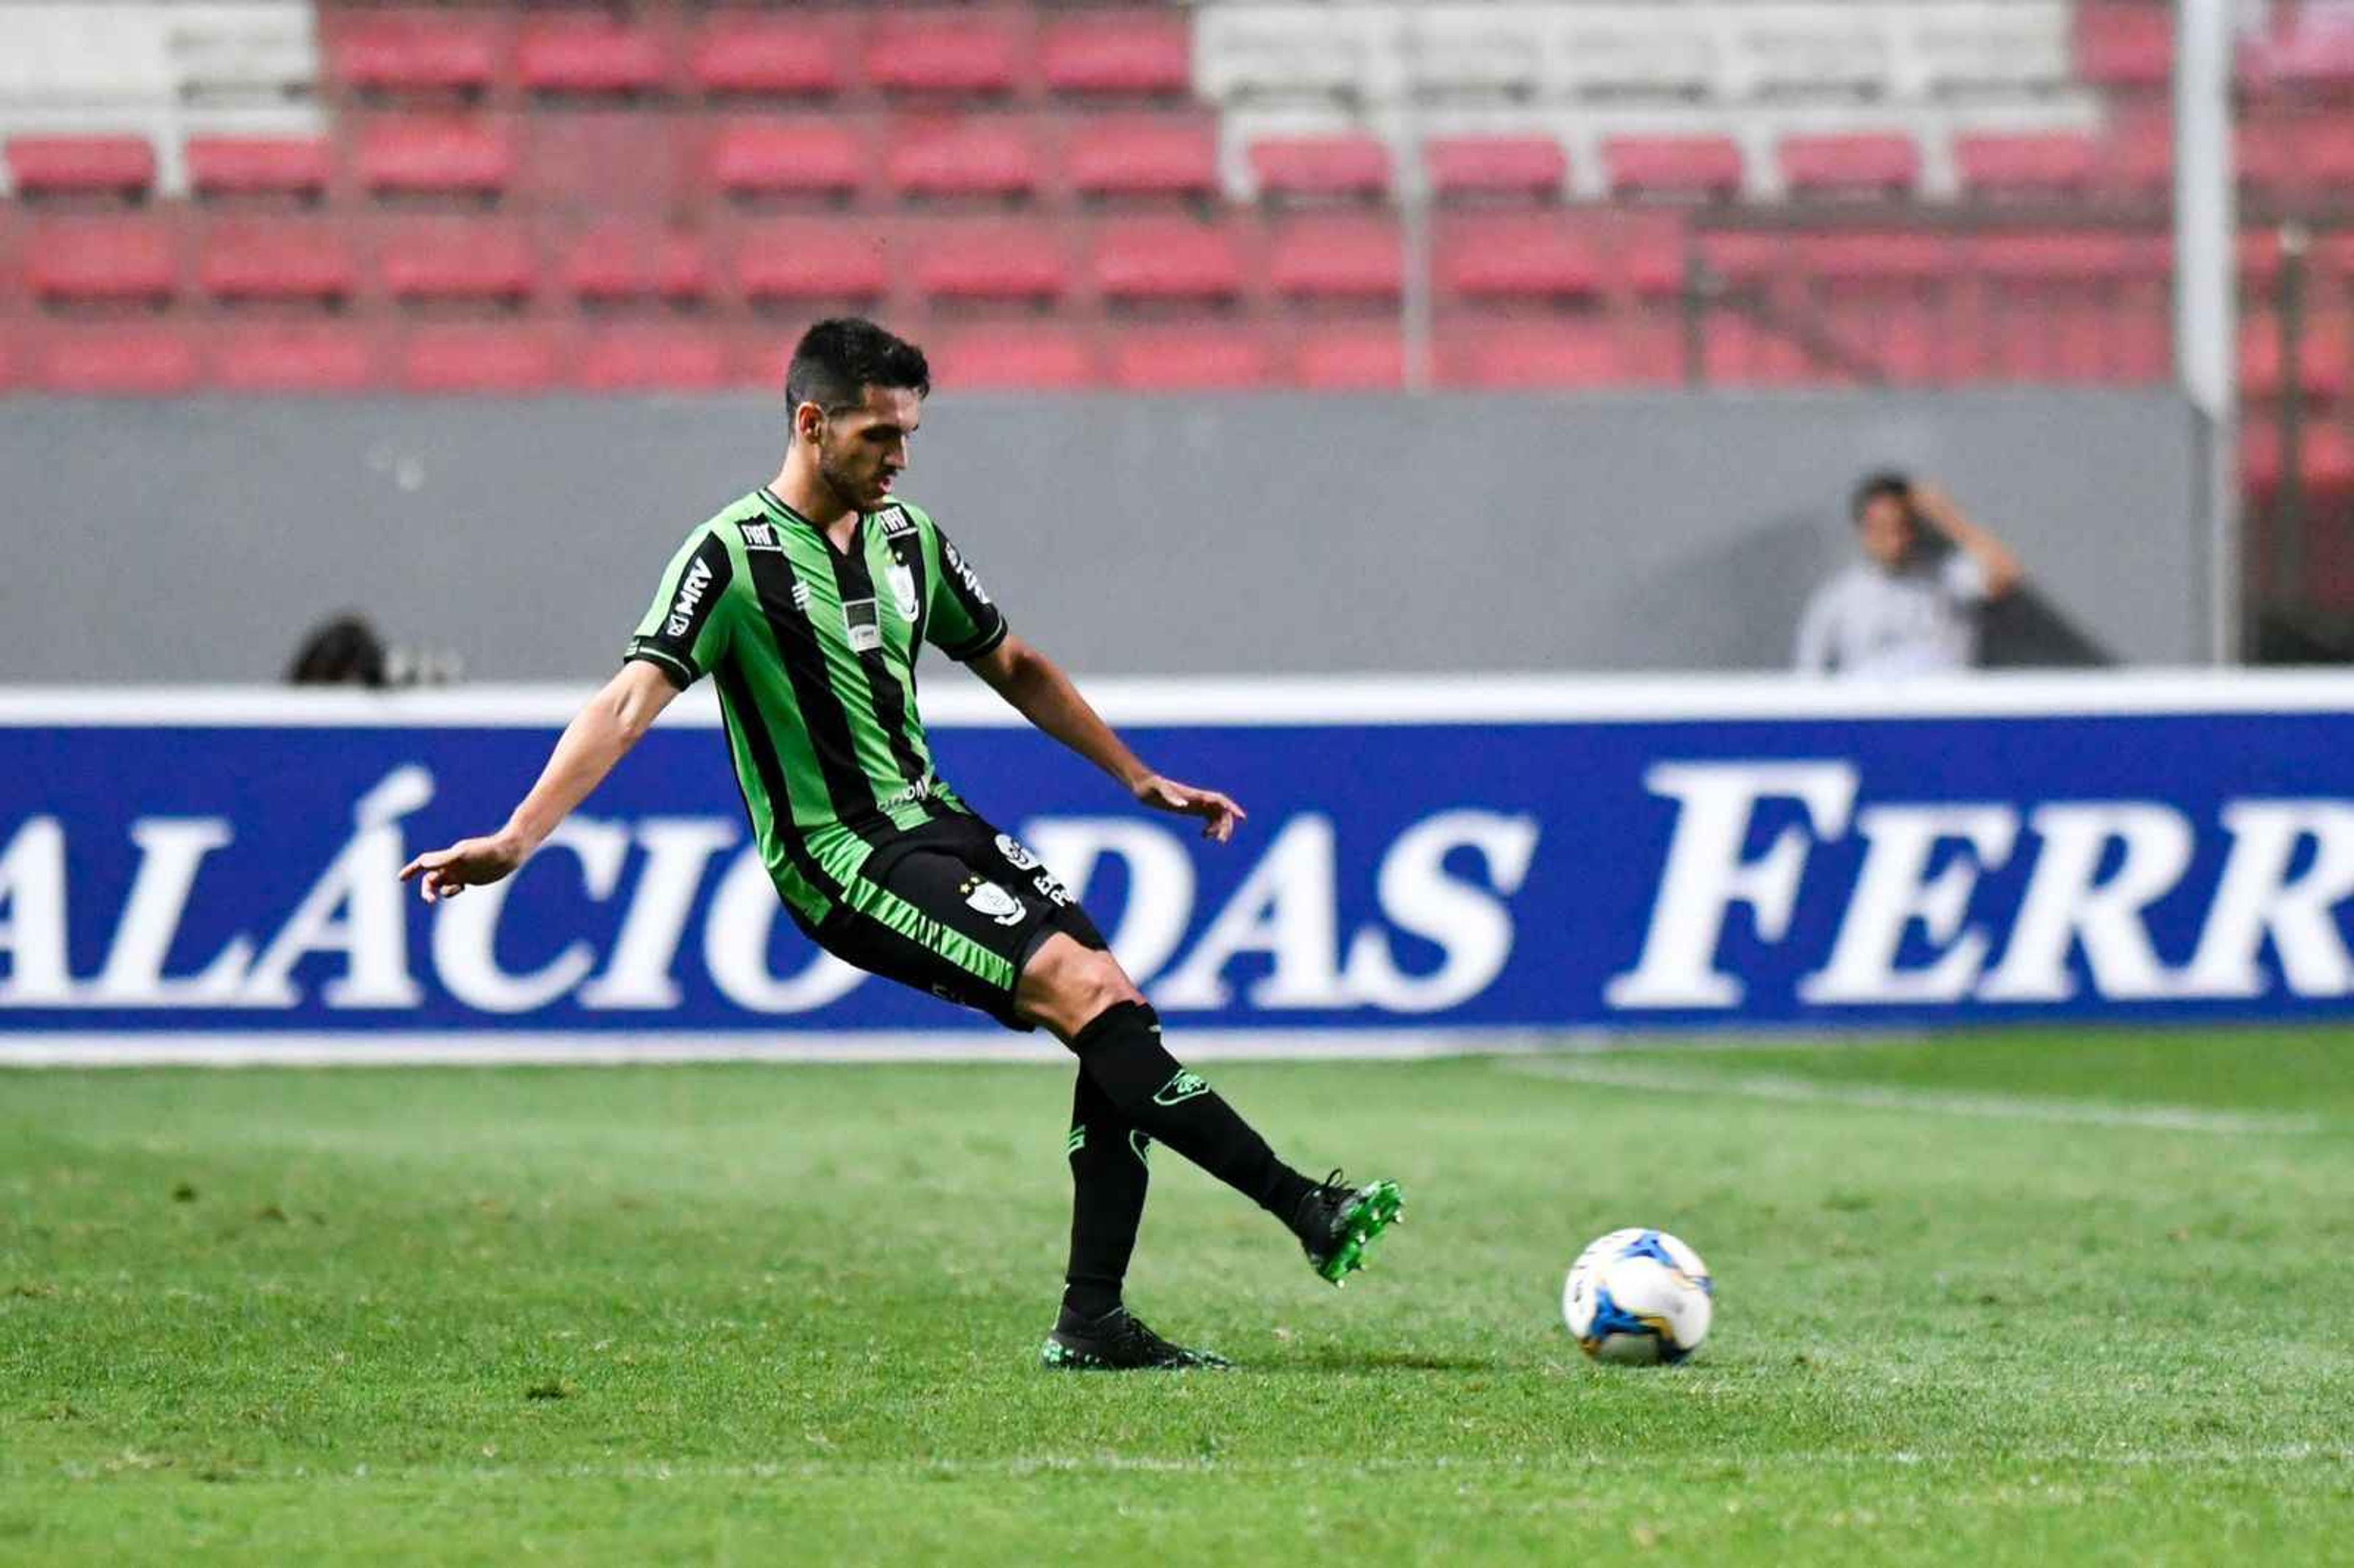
<point x="198" y="540"/>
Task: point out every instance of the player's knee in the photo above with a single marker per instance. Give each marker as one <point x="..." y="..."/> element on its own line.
<point x="1066" y="985"/>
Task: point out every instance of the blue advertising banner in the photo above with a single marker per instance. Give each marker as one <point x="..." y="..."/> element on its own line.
<point x="179" y="870"/>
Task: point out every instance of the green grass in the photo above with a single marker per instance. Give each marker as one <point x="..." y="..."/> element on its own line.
<point x="1979" y="1302"/>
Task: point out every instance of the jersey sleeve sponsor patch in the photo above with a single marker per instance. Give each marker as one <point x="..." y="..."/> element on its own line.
<point x="965" y="622"/>
<point x="683" y="631"/>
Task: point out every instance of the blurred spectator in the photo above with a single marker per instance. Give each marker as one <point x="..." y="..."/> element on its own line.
<point x="342" y="652"/>
<point x="1912" y="605"/>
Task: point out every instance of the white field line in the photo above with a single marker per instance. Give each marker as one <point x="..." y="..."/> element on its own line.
<point x="1929" y="1102"/>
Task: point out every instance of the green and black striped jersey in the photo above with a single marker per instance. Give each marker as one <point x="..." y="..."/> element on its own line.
<point x="813" y="651"/>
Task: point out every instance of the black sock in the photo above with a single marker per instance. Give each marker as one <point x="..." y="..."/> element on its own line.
<point x="1122" y="1051"/>
<point x="1108" y="1182"/>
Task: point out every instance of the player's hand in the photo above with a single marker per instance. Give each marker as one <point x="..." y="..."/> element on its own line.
<point x="1931" y="504"/>
<point x="446" y="873"/>
<point x="1219" y="813"/>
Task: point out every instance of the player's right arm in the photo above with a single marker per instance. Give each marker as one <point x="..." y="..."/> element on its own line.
<point x="684" y="633"/>
<point x="600" y="735"/>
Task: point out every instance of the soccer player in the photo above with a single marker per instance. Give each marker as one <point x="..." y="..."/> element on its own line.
<point x="806" y="601"/>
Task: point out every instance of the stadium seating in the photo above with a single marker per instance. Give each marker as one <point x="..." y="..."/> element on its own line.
<point x="619" y="262"/>
<point x="650" y="357"/>
<point x="435" y="155"/>
<point x="120" y="166"/>
<point x="1163" y="259"/>
<point x="1472" y="167"/>
<point x="225" y="167"/>
<point x="768" y="56"/>
<point x="104" y="261"/>
<point x="300" y="260"/>
<point x="1143" y="157"/>
<point x="998" y="259"/>
<point x="294" y="357"/>
<point x="589" y="55"/>
<point x="1136" y="53"/>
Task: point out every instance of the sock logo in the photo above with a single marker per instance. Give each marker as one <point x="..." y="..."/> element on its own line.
<point x="1180" y="1088"/>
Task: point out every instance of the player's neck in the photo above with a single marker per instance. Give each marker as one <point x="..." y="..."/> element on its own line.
<point x="799" y="487"/>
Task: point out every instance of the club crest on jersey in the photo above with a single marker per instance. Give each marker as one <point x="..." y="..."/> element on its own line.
<point x="987" y="898"/>
<point x="690" y="594"/>
<point x="903" y="589"/>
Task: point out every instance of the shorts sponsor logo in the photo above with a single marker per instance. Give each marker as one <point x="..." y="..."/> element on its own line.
<point x="1017" y="853"/>
<point x="993" y="901"/>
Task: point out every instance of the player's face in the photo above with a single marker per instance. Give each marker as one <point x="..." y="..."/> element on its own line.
<point x="1885" y="530"/>
<point x="861" y="451"/>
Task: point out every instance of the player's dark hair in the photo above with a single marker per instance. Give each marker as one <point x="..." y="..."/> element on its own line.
<point x="1887" y="482"/>
<point x="840" y="357"/>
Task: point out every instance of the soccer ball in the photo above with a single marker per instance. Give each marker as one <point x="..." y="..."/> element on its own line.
<point x="1638" y="1298"/>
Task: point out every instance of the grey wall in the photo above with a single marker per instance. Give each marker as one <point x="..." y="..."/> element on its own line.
<point x="196" y="540"/>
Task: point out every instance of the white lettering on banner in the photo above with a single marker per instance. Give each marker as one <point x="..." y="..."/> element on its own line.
<point x="735" y="947"/>
<point x="1472" y="926"/>
<point x="33" y="892"/>
<point x="1159" y="880"/>
<point x="2064" y="906"/>
<point x="1706" y="874"/>
<point x="2257" y="898"/>
<point x="1284" y="909"/>
<point x="171" y="852"/>
<point x="466" y="930"/>
<point x="1890" y="896"/>
<point x="355" y="909"/>
<point x="678" y="849"/>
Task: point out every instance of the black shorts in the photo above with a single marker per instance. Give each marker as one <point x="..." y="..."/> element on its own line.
<point x="954" y="907"/>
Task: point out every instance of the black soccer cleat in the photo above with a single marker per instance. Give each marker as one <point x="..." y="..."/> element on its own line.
<point x="1118" y="1341"/>
<point x="1336" y="1222"/>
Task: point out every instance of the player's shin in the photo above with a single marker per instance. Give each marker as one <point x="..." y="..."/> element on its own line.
<point x="1122" y="1052"/>
<point x="1107" y="1185"/>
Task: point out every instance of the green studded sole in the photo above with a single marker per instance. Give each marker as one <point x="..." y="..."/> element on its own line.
<point x="1379" y="1206"/>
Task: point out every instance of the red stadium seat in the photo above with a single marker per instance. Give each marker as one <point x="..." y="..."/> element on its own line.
<point x="82" y="165"/>
<point x="2102" y="256"/>
<point x="1738" y="352"/>
<point x="652" y="358"/>
<point x="589" y="55"/>
<point x="990" y="156"/>
<point x="1167" y="258"/>
<point x="1143" y="157"/>
<point x="2125" y="43"/>
<point x="1865" y="161"/>
<point x="99" y="260"/>
<point x="2322" y="357"/>
<point x="1535" y="355"/>
<point x="117" y="361"/>
<point x="1003" y="259"/>
<point x="810" y="158"/>
<point x="2307" y="160"/>
<point x="1338" y="256"/>
<point x="1037" y="358"/>
<point x="619" y="262"/>
<point x="1351" y="359"/>
<point x="2138" y="159"/>
<point x="1652" y="248"/>
<point x="1671" y="166"/>
<point x="782" y="57"/>
<point x="257" y="166"/>
<point x="1322" y="167"/>
<point x="413" y="51"/>
<point x="1517" y="255"/>
<point x="1746" y="257"/>
<point x="946" y="51"/>
<point x="287" y="260"/>
<point x="483" y="358"/>
<point x="1194" y="359"/>
<point x="2327" y="468"/>
<point x="795" y="263"/>
<point x="1134" y="52"/>
<point x="1874" y="256"/>
<point x="1529" y="166"/>
<point x="462" y="262"/>
<point x="293" y="358"/>
<point x="2055" y="163"/>
<point x="435" y="155"/>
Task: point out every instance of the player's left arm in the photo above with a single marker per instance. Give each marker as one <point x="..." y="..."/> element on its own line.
<point x="1996" y="564"/>
<point x="1039" y="690"/>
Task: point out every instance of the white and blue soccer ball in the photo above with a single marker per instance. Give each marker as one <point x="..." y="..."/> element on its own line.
<point x="1638" y="1298"/>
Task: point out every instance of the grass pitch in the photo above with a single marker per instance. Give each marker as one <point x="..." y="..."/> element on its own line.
<point x="2020" y="1299"/>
